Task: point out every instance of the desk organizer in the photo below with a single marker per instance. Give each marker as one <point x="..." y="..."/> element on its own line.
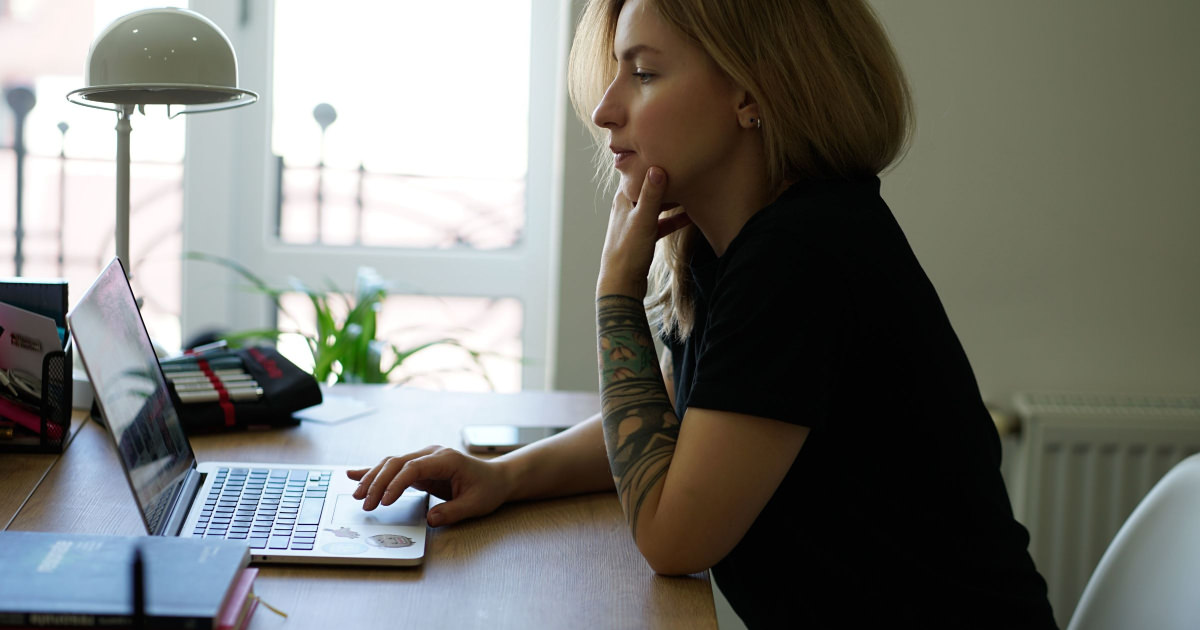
<point x="43" y="429"/>
<point x="40" y="426"/>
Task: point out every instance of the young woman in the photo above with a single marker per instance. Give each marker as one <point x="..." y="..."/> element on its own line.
<point x="815" y="436"/>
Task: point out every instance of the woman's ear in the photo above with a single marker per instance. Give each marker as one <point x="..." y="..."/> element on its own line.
<point x="747" y="111"/>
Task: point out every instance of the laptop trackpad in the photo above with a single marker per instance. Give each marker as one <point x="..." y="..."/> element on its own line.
<point x="409" y="509"/>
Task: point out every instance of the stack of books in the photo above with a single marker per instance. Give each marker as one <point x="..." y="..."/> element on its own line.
<point x="79" y="580"/>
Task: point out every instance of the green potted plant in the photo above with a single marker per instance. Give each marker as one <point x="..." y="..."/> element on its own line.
<point x="344" y="349"/>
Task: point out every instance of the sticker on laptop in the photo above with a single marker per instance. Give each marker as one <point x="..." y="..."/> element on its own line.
<point x="343" y="532"/>
<point x="390" y="541"/>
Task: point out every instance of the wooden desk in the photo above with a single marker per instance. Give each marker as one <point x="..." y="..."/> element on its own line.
<point x="566" y="563"/>
<point x="20" y="474"/>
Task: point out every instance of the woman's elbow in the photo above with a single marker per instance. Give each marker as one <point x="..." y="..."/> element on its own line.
<point x="673" y="567"/>
<point x="674" y="570"/>
<point x="673" y="560"/>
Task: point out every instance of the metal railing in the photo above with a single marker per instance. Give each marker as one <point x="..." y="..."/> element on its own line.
<point x="488" y="213"/>
<point x="21" y="101"/>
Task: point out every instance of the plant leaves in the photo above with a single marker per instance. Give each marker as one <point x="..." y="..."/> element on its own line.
<point x="348" y="351"/>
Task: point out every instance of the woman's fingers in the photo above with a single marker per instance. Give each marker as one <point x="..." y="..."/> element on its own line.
<point x="649" y="201"/>
<point x="434" y="467"/>
<point x="385" y="470"/>
<point x="451" y="512"/>
<point x="470" y="486"/>
<point x="633" y="228"/>
<point x="365" y="479"/>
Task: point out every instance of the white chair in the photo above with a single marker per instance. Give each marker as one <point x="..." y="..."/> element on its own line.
<point x="1150" y="575"/>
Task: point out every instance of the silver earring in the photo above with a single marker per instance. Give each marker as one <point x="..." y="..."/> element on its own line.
<point x="757" y="122"/>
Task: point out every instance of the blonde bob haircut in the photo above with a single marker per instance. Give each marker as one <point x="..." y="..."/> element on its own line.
<point x="831" y="94"/>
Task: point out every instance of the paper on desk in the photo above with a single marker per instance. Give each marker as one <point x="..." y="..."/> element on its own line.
<point x="25" y="338"/>
<point x="334" y="409"/>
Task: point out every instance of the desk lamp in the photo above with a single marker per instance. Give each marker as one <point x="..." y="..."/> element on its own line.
<point x="168" y="56"/>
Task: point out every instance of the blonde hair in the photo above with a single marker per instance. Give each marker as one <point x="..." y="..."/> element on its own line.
<point x="829" y="88"/>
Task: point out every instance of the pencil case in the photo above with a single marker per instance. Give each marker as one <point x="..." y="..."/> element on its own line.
<point x="232" y="390"/>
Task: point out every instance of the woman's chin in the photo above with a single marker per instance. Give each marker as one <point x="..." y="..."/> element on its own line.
<point x="631" y="186"/>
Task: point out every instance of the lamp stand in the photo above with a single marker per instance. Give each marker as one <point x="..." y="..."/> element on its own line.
<point x="122" y="227"/>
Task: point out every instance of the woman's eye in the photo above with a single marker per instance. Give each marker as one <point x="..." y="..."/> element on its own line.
<point x="644" y="77"/>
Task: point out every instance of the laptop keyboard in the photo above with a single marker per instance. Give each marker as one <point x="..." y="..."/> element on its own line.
<point x="270" y="508"/>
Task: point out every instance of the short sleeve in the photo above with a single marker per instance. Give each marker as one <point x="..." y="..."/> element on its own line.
<point x="776" y="322"/>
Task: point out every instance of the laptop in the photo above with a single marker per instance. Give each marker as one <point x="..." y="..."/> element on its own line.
<point x="284" y="512"/>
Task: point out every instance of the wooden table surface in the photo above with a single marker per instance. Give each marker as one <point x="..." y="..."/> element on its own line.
<point x="20" y="474"/>
<point x="563" y="563"/>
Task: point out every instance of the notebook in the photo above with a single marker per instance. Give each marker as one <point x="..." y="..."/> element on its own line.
<point x="284" y="512"/>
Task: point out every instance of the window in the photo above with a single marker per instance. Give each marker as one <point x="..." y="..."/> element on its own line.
<point x="394" y="135"/>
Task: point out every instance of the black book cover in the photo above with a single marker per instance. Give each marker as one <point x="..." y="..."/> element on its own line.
<point x="85" y="580"/>
<point x="46" y="296"/>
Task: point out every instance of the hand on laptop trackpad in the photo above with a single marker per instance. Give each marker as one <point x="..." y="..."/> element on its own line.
<point x="409" y="509"/>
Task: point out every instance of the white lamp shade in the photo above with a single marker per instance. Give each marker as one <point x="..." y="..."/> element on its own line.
<point x="164" y="56"/>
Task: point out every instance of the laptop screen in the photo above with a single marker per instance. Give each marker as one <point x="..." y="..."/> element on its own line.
<point x="129" y="386"/>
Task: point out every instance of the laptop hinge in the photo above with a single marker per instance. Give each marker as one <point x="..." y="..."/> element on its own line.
<point x="187" y="496"/>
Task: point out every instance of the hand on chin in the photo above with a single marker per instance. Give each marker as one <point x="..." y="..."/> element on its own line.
<point x="630" y="185"/>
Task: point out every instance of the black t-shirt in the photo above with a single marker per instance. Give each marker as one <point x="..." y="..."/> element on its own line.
<point x="894" y="511"/>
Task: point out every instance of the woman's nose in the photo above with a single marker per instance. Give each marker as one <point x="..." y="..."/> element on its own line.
<point x="608" y="112"/>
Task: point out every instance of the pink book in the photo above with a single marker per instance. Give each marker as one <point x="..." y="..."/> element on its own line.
<point x="240" y="603"/>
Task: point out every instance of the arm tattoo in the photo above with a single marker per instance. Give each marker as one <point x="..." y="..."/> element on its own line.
<point x="640" y="426"/>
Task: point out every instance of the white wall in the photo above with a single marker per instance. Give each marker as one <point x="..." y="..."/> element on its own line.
<point x="584" y="220"/>
<point x="1050" y="192"/>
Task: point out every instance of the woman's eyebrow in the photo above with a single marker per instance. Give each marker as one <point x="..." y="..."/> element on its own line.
<point x="634" y="51"/>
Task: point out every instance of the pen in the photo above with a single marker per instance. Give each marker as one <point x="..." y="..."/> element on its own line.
<point x="206" y="385"/>
<point x="213" y="395"/>
<point x="190" y="373"/>
<point x="200" y="385"/>
<point x="193" y="364"/>
<point x="204" y="378"/>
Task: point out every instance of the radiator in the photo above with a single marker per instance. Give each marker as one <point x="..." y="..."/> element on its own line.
<point x="1084" y="462"/>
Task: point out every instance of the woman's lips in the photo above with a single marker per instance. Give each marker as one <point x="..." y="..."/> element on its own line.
<point x="621" y="158"/>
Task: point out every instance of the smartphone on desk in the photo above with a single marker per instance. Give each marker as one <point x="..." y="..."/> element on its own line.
<point x="502" y="438"/>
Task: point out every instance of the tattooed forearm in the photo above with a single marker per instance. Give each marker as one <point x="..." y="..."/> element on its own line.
<point x="640" y="426"/>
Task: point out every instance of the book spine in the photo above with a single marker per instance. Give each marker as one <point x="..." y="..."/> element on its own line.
<point x="9" y="620"/>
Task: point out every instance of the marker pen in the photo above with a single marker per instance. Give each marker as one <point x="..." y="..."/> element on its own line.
<point x="190" y="373"/>
<point x="194" y="364"/>
<point x="205" y="385"/>
<point x="204" y="378"/>
<point x="213" y="395"/>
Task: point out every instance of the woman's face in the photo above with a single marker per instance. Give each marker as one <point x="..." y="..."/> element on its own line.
<point x="668" y="106"/>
